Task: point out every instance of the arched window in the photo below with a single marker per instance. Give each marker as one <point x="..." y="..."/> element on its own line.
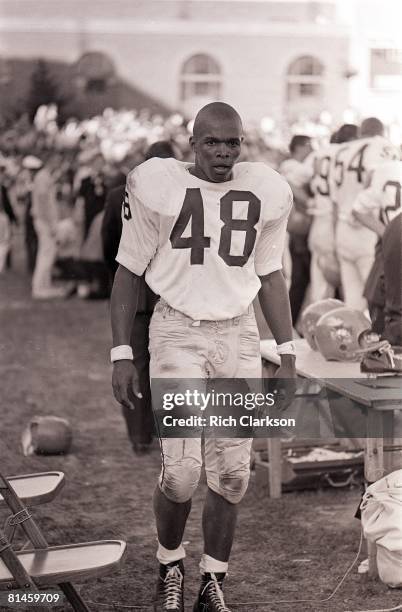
<point x="94" y="71"/>
<point x="200" y="78"/>
<point x="305" y="77"/>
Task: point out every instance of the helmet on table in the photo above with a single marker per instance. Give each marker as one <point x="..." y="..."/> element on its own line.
<point x="344" y="334"/>
<point x="312" y="314"/>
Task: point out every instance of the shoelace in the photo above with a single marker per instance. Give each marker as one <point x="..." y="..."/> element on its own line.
<point x="389" y="352"/>
<point x="173" y="588"/>
<point x="215" y="593"/>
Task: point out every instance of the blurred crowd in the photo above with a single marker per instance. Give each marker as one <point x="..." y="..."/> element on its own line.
<point x="55" y="182"/>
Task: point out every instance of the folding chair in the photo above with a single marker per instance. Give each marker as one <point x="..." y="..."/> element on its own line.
<point x="32" y="489"/>
<point x="42" y="565"/>
<point x="35" y="489"/>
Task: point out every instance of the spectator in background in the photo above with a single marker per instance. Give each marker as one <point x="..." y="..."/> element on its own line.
<point x="45" y="218"/>
<point x="30" y="166"/>
<point x="92" y="193"/>
<point x="7" y="218"/>
<point x="140" y="422"/>
<point x="92" y="264"/>
<point x="298" y="173"/>
<point x="90" y="203"/>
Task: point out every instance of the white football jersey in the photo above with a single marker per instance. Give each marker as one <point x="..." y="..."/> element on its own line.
<point x="322" y="231"/>
<point x="204" y="244"/>
<point x="384" y="194"/>
<point x="296" y="172"/>
<point x="321" y="183"/>
<point x="352" y="165"/>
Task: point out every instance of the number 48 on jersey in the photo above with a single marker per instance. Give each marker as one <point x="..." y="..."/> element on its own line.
<point x="192" y="212"/>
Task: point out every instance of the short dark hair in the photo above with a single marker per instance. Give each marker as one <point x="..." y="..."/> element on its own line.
<point x="372" y="126"/>
<point x="161" y="148"/>
<point x="334" y="137"/>
<point x="347" y="132"/>
<point x="219" y="111"/>
<point x="300" y="140"/>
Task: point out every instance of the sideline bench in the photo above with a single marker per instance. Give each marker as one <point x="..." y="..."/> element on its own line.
<point x="379" y="397"/>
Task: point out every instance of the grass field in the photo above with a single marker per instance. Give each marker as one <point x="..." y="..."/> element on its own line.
<point x="54" y="360"/>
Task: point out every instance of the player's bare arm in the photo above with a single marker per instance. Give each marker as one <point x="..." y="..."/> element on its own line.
<point x="300" y="196"/>
<point x="123" y="308"/>
<point x="368" y="219"/>
<point x="274" y="301"/>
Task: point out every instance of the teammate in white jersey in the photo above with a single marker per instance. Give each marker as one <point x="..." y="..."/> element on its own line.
<point x="355" y="244"/>
<point x="211" y="236"/>
<point x="383" y="197"/>
<point x="321" y="239"/>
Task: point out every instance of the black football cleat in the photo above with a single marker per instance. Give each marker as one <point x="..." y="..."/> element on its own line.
<point x="385" y="361"/>
<point x="169" y="595"/>
<point x="210" y="597"/>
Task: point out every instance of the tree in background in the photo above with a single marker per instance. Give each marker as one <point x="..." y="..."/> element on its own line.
<point x="43" y="90"/>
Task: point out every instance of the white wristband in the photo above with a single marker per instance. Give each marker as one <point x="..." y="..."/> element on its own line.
<point x="124" y="351"/>
<point x="286" y="348"/>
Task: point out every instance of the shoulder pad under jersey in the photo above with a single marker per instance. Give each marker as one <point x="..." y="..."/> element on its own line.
<point x="270" y="186"/>
<point x="151" y="181"/>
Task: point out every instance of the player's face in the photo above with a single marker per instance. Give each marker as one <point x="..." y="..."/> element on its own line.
<point x="306" y="150"/>
<point x="217" y="147"/>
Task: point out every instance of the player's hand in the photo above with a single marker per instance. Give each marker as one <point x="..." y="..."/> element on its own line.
<point x="125" y="383"/>
<point x="286" y="383"/>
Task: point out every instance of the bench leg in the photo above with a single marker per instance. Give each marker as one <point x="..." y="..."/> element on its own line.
<point x="275" y="467"/>
<point x="75" y="599"/>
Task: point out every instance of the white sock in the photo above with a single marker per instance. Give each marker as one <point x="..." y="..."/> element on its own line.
<point x="166" y="555"/>
<point x="213" y="566"/>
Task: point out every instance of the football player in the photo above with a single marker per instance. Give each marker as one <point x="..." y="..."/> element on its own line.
<point x="297" y="170"/>
<point x="379" y="209"/>
<point x="321" y="240"/>
<point x="210" y="236"/>
<point x="355" y="244"/>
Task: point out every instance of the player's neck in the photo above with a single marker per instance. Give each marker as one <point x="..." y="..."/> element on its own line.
<point x="194" y="171"/>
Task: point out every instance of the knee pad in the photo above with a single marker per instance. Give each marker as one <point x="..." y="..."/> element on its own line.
<point x="178" y="482"/>
<point x="231" y="487"/>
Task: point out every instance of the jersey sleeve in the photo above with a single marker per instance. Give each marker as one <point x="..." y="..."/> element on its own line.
<point x="140" y="233"/>
<point x="379" y="152"/>
<point x="296" y="172"/>
<point x="367" y="200"/>
<point x="271" y="244"/>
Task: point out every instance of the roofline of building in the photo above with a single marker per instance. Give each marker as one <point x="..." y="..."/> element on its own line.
<point x="131" y="26"/>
